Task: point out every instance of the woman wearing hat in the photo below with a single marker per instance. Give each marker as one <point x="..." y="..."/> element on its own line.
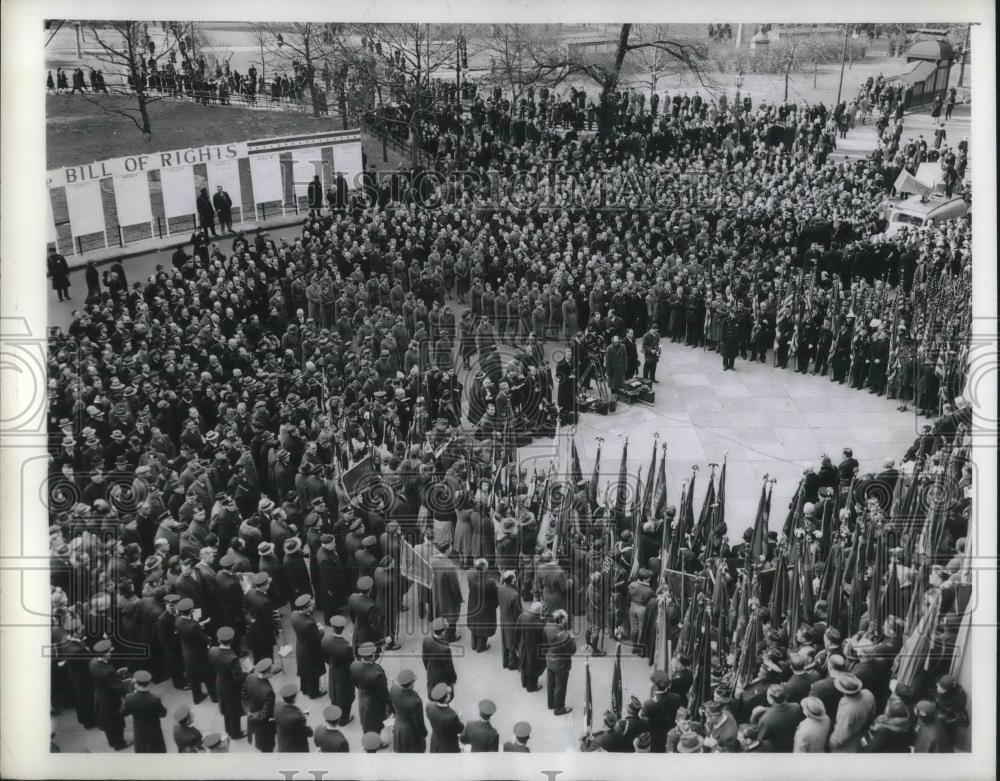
<point x="891" y="732"/>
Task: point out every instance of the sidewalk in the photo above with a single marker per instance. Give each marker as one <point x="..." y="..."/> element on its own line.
<point x="158" y="244"/>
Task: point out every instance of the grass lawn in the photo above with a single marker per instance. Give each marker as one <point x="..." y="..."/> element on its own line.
<point x="78" y="132"/>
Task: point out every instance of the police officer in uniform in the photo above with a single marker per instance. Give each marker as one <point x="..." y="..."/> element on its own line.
<point x="329" y="739"/>
<point x="522" y="731"/>
<point x="481" y="736"/>
<point x="339" y="656"/>
<point x="258" y="696"/>
<point x="409" y="733"/>
<point x="373" y="689"/>
<point x="228" y="681"/>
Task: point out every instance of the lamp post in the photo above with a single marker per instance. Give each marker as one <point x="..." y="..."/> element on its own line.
<point x="739" y="86"/>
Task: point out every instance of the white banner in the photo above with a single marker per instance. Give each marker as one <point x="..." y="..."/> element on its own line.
<point x="347" y="161"/>
<point x="306" y="163"/>
<point x="134" y="164"/>
<point x="50" y="221"/>
<point x="132" y="199"/>
<point x="86" y="213"/>
<point x="178" y="191"/>
<point x="225" y="173"/>
<point x="265" y="173"/>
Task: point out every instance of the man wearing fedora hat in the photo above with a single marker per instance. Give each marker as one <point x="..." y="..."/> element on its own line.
<point x="855" y="712"/>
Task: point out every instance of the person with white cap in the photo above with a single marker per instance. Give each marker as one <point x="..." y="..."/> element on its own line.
<point x="813" y="731"/>
<point x="481" y="616"/>
<point x="510" y="609"/>
<point x="522" y="731"/>
<point x="187" y="737"/>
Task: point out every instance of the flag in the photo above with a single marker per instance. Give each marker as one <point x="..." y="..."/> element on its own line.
<point x="660" y="503"/>
<point x="588" y="703"/>
<point x="647" y="497"/>
<point x="592" y="488"/>
<point x="577" y="471"/>
<point x="702" y="534"/>
<point x="701" y="686"/>
<point x="621" y="492"/>
<point x="413" y="566"/>
<point x="720" y="500"/>
<point x="358" y="477"/>
<point x="914" y="656"/>
<point x="758" y="542"/>
<point x="616" y="684"/>
<point x="687" y="506"/>
<point x="793" y="512"/>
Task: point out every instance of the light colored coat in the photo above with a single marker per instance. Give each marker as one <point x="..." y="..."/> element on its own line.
<point x="854" y="714"/>
<point x="811" y="735"/>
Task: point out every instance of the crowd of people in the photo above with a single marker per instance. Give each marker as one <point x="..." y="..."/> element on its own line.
<point x="210" y="421"/>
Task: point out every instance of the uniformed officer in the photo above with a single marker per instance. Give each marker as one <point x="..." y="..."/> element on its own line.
<point x="309" y="657"/>
<point x="480" y="735"/>
<point x="329" y="739"/>
<point x="187" y="737"/>
<point x="109" y="689"/>
<point x="229" y="678"/>
<point x="522" y="731"/>
<point x="194" y="650"/>
<point x="339" y="655"/>
<point x="446" y="724"/>
<point x="262" y="625"/>
<point x="166" y="635"/>
<point x="292" y="731"/>
<point x="373" y="689"/>
<point x="146" y="710"/>
<point x="259" y="696"/>
<point x="368" y="625"/>
<point x="437" y="657"/>
<point x="409" y="733"/>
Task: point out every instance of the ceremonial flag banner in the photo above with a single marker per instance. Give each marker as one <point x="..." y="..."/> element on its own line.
<point x="265" y="174"/>
<point x="132" y="199"/>
<point x="358" y="477"/>
<point x="225" y="173"/>
<point x="178" y="191"/>
<point x="347" y="160"/>
<point x="413" y="566"/>
<point x="86" y="212"/>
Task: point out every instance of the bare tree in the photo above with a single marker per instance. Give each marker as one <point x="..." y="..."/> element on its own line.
<point x="129" y="50"/>
<point x="521" y="55"/>
<point x="651" y="64"/>
<point x="300" y="48"/>
<point x="606" y="72"/>
<point x="397" y="64"/>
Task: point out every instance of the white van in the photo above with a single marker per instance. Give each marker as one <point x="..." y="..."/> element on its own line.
<point x="919" y="210"/>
